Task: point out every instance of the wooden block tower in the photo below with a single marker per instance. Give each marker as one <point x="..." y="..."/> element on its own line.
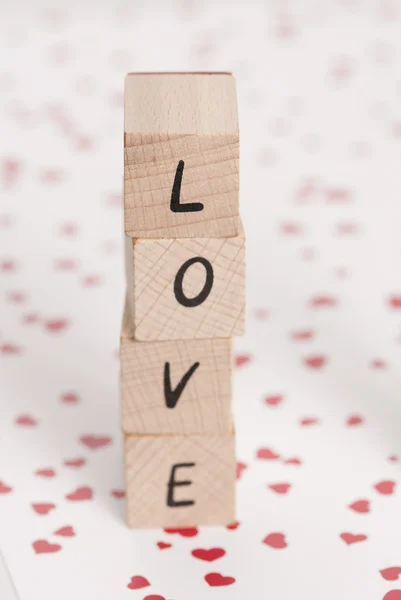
<point x="185" y="259"/>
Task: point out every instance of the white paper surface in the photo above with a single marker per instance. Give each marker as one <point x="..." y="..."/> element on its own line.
<point x="317" y="383"/>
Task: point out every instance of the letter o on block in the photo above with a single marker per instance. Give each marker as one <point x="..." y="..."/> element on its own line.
<point x="179" y="278"/>
<point x="186" y="288"/>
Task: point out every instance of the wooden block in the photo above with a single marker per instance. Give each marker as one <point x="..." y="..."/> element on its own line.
<point x="180" y="481"/>
<point x="181" y="155"/>
<point x="179" y="387"/>
<point x="187" y="288"/>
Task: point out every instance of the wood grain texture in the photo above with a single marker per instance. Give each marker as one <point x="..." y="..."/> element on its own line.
<point x="148" y="465"/>
<point x="157" y="315"/>
<point x="174" y="117"/>
<point x="200" y="103"/>
<point x="204" y="405"/>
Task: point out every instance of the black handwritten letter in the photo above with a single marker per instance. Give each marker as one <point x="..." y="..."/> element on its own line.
<point x="204" y="293"/>
<point x="175" y="205"/>
<point x="172" y="396"/>
<point x="173" y="483"/>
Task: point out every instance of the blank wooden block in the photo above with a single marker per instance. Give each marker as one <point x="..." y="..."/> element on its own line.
<point x="180" y="481"/>
<point x="185" y="126"/>
<point x="178" y="387"/>
<point x="187" y="288"/>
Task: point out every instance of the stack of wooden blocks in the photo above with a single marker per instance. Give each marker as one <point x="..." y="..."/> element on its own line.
<point x="185" y="299"/>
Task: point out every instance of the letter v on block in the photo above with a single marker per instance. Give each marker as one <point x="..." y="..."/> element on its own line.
<point x="191" y="376"/>
<point x="173" y="395"/>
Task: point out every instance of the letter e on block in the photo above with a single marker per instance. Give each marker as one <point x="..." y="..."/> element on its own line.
<point x="180" y="481"/>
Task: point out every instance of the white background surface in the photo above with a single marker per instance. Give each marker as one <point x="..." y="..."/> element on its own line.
<point x="319" y="88"/>
<point x="6" y="585"/>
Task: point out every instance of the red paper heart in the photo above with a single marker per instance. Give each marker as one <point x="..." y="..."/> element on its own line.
<point x="154" y="597"/>
<point x="385" y="487"/>
<point x="293" y="461"/>
<point x="302" y="335"/>
<point x="65" y="264"/>
<point x="354" y="420"/>
<point x="306" y="421"/>
<point x="185" y="532"/>
<point x="93" y="441"/>
<point x="118" y="493"/>
<point x="138" y="582"/>
<point x="291" y="228"/>
<point x="45" y="472"/>
<point x="66" y="531"/>
<point x="8" y="265"/>
<point x="275" y="540"/>
<point x="308" y="253"/>
<point x="43" y="508"/>
<point x="5" y="489"/>
<point x="347" y="227"/>
<point x="91" y="280"/>
<point x="56" y="325"/>
<point x="315" y="362"/>
<point x="341" y="272"/>
<point x="338" y="195"/>
<point x="70" y="398"/>
<point x="217" y="580"/>
<point x="391" y="573"/>
<point x="233" y="526"/>
<point x="360" y="506"/>
<point x="8" y="348"/>
<point x="68" y="229"/>
<point x="74" y="462"/>
<point x="261" y="313"/>
<point x="26" y="421"/>
<point x="6" y="221"/>
<point x="30" y="318"/>
<point x="395" y="301"/>
<point x="81" y="493"/>
<point x="51" y="176"/>
<point x="353" y="538"/>
<point x="163" y="545"/>
<point x="267" y="454"/>
<point x="242" y="359"/>
<point x="306" y="191"/>
<point x="273" y="400"/>
<point x="323" y="301"/>
<point x="114" y="200"/>
<point x="11" y="171"/>
<point x="240" y="469"/>
<point x="208" y="555"/>
<point x="393" y="595"/>
<point x="280" y="488"/>
<point x="16" y="297"/>
<point x="43" y="547"/>
<point x="378" y="363"/>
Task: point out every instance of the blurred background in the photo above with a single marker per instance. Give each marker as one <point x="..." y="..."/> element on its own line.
<point x="317" y="376"/>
